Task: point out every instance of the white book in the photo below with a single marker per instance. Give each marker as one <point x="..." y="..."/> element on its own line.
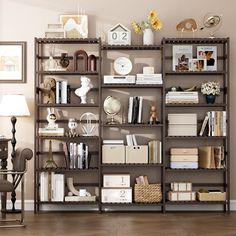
<point x="71" y="156"/>
<point x="64" y="92"/>
<point x="213" y="133"/>
<point x="210" y="54"/>
<point x="53" y="190"/>
<point x="181" y="55"/>
<point x="140" y="111"/>
<point x="129" y="140"/>
<point x="224" y="118"/>
<point x="75" y="161"/>
<point x="58" y="91"/>
<point x="86" y="157"/>
<point x="134" y="140"/>
<point x="79" y="155"/>
<point x="44" y="186"/>
<point x="204" y="123"/>
<point x="130" y="110"/>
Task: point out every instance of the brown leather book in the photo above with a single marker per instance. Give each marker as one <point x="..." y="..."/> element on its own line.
<point x="205" y="157"/>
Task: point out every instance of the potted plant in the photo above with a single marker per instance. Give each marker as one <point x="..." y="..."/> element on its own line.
<point x="211" y="89"/>
<point x="147" y="27"/>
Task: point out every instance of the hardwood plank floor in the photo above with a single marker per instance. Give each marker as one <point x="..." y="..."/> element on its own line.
<point x="126" y="224"/>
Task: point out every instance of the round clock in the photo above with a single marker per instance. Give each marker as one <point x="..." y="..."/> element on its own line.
<point x="122" y="65"/>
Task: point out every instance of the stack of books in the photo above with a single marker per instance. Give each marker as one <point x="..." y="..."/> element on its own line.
<point x="149" y="79"/>
<point x="135" y="110"/>
<point x="183" y="158"/>
<point x="211" y="157"/>
<point x="155" y="152"/>
<point x="52" y="187"/>
<point x="78" y="156"/>
<point x="216" y="123"/>
<point x="184" y="124"/>
<point x="182" y="97"/>
<point x="62" y="92"/>
<point x="54" y="132"/>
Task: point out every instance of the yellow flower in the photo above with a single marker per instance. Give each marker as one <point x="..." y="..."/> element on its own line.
<point x="156" y="24"/>
<point x="136" y="27"/>
<point x="153" y="14"/>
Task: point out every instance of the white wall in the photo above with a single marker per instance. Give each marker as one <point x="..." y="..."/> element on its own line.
<point x="22" y="20"/>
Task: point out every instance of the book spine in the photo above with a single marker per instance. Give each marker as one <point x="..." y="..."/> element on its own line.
<point x="224" y="121"/>
<point x="71" y="156"/>
<point x="75" y="157"/>
<point x="130" y="110"/>
<point x="64" y="92"/>
<point x="57" y="92"/>
<point x="140" y="110"/>
<point x="68" y="93"/>
<point x="203" y="125"/>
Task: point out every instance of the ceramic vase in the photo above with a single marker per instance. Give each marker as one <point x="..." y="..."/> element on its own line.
<point x="148" y="37"/>
<point x="210" y="99"/>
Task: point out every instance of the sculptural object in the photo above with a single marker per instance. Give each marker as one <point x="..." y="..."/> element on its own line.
<point x="72" y="124"/>
<point x="84" y="89"/>
<point x="47" y="90"/>
<point x="153" y="116"/>
<point x="51" y="118"/>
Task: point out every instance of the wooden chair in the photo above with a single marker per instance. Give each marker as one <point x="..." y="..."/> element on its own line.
<point x="6" y="186"/>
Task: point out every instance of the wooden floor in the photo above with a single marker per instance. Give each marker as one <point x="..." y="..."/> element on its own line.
<point x="134" y="224"/>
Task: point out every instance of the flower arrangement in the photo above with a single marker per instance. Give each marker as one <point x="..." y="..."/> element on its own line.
<point x="210" y="87"/>
<point x="152" y="22"/>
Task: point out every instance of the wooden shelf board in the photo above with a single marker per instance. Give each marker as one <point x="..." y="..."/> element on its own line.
<point x="136" y="86"/>
<point x="66" y="73"/>
<point x="68" y="40"/>
<point x="69" y="138"/>
<point x="199" y="169"/>
<point x="132" y="204"/>
<point x="132" y="125"/>
<point x="67" y="170"/>
<point x="132" y="47"/>
<point x="194" y="202"/>
<point x="195" y="105"/>
<point x="131" y="165"/>
<point x="195" y="72"/>
<point x="195" y="137"/>
<point x="195" y="40"/>
<point x="67" y="105"/>
<point x="66" y="203"/>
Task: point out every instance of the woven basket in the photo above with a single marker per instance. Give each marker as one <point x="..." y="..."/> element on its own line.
<point x="147" y="193"/>
<point x="211" y="196"/>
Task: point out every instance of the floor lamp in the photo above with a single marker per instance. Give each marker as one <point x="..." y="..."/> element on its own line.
<point x="14" y="106"/>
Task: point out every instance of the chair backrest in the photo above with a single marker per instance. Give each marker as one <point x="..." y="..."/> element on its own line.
<point x="19" y="161"/>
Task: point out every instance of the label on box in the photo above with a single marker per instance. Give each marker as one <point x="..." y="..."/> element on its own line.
<point x="116" y="180"/>
<point x="116" y="195"/>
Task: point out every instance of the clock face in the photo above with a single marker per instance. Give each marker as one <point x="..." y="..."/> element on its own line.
<point x="122" y="65"/>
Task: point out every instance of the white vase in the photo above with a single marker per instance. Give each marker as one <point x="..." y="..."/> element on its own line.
<point x="148" y="37"/>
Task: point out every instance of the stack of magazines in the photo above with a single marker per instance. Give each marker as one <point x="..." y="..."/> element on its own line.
<point x="182" y="97"/>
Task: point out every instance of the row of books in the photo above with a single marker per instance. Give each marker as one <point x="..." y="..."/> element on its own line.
<point x="78" y="156"/>
<point x="52" y="187"/>
<point x="216" y="121"/>
<point x="135" y="109"/>
<point x="62" y="92"/>
<point x="182" y="97"/>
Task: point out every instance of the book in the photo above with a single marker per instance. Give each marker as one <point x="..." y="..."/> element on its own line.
<point x="140" y="109"/>
<point x="134" y="140"/>
<point x="113" y="141"/>
<point x="135" y="110"/>
<point x="210" y="54"/>
<point x="129" y="140"/>
<point x="204" y="123"/>
<point x="130" y="110"/>
<point x="206" y="157"/>
<point x="181" y="55"/>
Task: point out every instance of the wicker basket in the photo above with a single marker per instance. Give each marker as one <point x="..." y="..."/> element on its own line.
<point x="147" y="193"/>
<point x="211" y="196"/>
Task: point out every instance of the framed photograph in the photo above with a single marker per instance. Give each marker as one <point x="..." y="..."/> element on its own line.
<point x="75" y="26"/>
<point x="181" y="56"/>
<point x="13" y="62"/>
<point x="197" y="64"/>
<point x="210" y="54"/>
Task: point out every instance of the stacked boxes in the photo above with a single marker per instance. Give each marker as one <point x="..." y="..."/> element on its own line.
<point x="116" y="188"/>
<point x="181" y="191"/>
<point x="184" y="158"/>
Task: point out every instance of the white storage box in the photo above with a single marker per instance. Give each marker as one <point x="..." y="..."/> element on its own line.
<point x="182" y="119"/>
<point x="137" y="154"/>
<point x="116" y="195"/>
<point x="113" y="154"/>
<point x="182" y="196"/>
<point x="184" y="151"/>
<point x="183" y="165"/>
<point x="116" y="180"/>
<point x="182" y="130"/>
<point x="181" y="186"/>
<point x="184" y="158"/>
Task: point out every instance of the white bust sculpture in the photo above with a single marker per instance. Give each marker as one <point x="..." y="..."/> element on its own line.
<point x="83" y="90"/>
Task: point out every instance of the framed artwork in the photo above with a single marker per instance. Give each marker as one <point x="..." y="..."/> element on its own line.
<point x="75" y="26"/>
<point x="210" y="54"/>
<point x="13" y="62"/>
<point x="197" y="64"/>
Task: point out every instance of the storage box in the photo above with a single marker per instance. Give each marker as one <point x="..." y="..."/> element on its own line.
<point x="184" y="151"/>
<point x="113" y="154"/>
<point x="147" y="193"/>
<point x="221" y="196"/>
<point x="137" y="154"/>
<point x="182" y="130"/>
<point x="181" y="186"/>
<point x="116" y="180"/>
<point x="116" y="195"/>
<point x="182" y="196"/>
<point x="183" y="165"/>
<point x="183" y="118"/>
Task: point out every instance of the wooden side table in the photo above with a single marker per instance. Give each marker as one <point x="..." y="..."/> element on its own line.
<point x="3" y="166"/>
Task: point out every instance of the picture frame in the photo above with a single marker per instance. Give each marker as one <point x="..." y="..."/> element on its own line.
<point x="13" y="62"/>
<point x="197" y="64"/>
<point x="209" y="53"/>
<point x="75" y="26"/>
<point x="181" y="56"/>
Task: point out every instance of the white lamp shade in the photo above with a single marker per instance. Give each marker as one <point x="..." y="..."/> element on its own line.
<point x="13" y="105"/>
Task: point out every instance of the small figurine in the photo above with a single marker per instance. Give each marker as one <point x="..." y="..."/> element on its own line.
<point x="83" y="90"/>
<point x="51" y="118"/>
<point x="153" y="116"/>
<point x="72" y="124"/>
<point x="47" y="90"/>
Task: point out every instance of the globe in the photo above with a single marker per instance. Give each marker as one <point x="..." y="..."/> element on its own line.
<point x="111" y="107"/>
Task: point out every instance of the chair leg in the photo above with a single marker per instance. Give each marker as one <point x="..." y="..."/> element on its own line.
<point x="22" y="200"/>
<point x="3" y="203"/>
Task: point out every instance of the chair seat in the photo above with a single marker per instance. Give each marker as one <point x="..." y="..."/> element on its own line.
<point x="5" y="186"/>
